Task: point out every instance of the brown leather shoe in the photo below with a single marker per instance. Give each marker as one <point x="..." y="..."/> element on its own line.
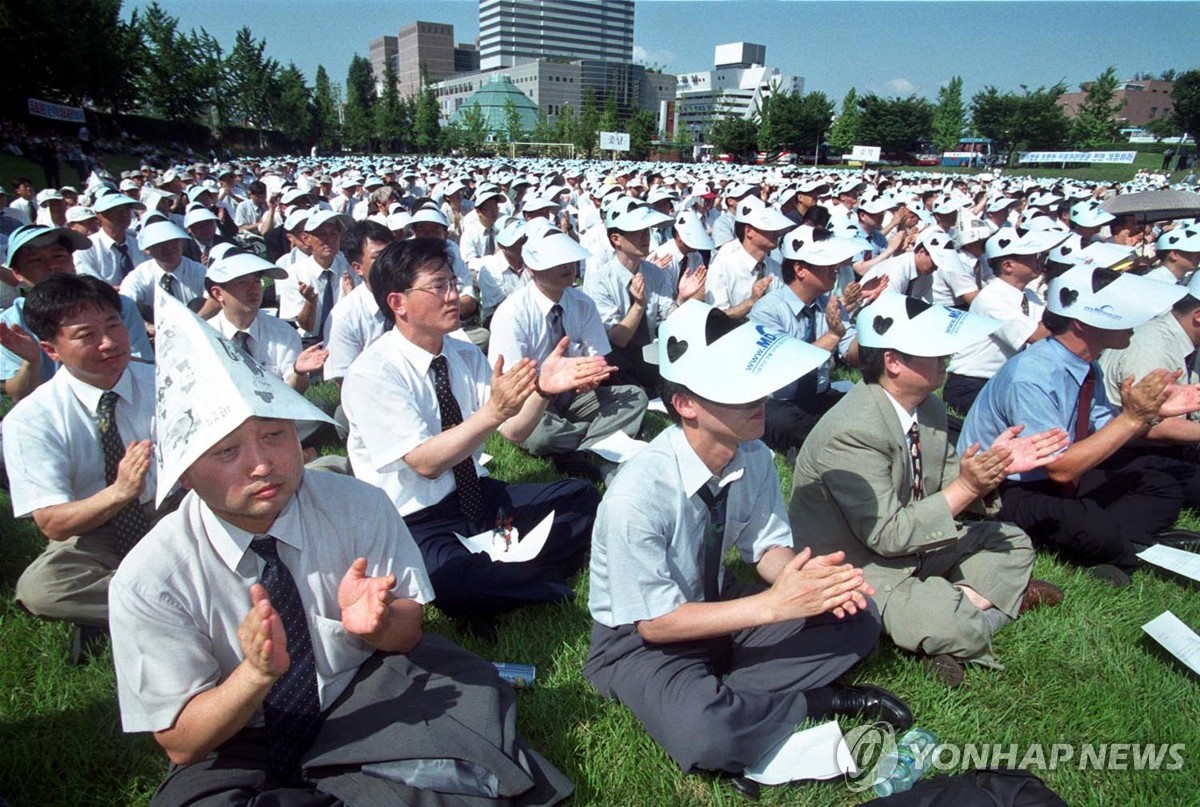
<point x="1039" y="593"/>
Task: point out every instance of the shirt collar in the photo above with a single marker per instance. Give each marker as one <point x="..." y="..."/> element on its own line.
<point x="1075" y="366"/>
<point x="906" y="420"/>
<point x="89" y="396"/>
<point x="693" y="472"/>
<point x="232" y="543"/>
<point x="418" y="357"/>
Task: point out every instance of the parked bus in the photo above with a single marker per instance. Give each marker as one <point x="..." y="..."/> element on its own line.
<point x="973" y="152"/>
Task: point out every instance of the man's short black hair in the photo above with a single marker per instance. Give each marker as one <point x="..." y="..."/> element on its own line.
<point x="355" y="237"/>
<point x="60" y="297"/>
<point x="717" y="325"/>
<point x="1186" y="305"/>
<point x="258" y="188"/>
<point x="870" y="362"/>
<point x="397" y="265"/>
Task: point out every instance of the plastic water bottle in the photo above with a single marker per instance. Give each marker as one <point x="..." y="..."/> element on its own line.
<point x="911" y="757"/>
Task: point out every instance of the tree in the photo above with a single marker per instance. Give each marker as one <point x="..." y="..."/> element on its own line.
<point x="450" y="137"/>
<point x="1096" y="124"/>
<point x="391" y="114"/>
<point x="174" y="87"/>
<point x="734" y="135"/>
<point x="543" y="130"/>
<point x="251" y="81"/>
<point x="949" y="116"/>
<point x="426" y="125"/>
<point x="895" y="124"/>
<point x="474" y="129"/>
<point x="292" y="106"/>
<point x="587" y="132"/>
<point x="326" y="115"/>
<point x="642" y="129"/>
<point x="1186" y="96"/>
<point x="1032" y="120"/>
<point x="794" y="122"/>
<point x="360" y="104"/>
<point x="513" y="131"/>
<point x="608" y="118"/>
<point x="566" y="127"/>
<point x="685" y="144"/>
<point x="845" y="132"/>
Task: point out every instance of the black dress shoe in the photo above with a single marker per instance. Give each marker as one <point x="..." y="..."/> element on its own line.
<point x="86" y="641"/>
<point x="872" y="702"/>
<point x="1186" y="540"/>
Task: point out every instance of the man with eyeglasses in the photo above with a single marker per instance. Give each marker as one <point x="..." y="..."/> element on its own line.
<point x="420" y="406"/>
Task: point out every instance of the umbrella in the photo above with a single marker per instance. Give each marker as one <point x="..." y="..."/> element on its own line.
<point x="1155" y="205"/>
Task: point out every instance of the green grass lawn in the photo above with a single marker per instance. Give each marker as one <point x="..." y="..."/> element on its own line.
<point x="1080" y="673"/>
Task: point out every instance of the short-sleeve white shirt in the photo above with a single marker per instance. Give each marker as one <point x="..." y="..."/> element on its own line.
<point x="391" y="404"/>
<point x="102" y="261"/>
<point x="273" y="343"/>
<point x="520" y="329"/>
<point x="179" y="596"/>
<point x="731" y="276"/>
<point x="140" y="284"/>
<point x="357" y="322"/>
<point x="52" y="438"/>
<point x="1003" y="302"/>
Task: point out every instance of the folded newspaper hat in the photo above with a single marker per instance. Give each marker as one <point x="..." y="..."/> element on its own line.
<point x="206" y="387"/>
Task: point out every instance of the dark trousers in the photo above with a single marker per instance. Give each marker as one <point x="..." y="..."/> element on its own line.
<point x="473" y="584"/>
<point x="438" y="714"/>
<point x="633" y="369"/>
<point x="721" y="704"/>
<point x="1114" y="514"/>
<point x="788" y="423"/>
<point x="961" y="391"/>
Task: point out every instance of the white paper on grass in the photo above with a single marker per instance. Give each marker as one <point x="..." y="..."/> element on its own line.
<point x="816" y="753"/>
<point x="1182" y="642"/>
<point x="485" y="458"/>
<point x="1175" y="560"/>
<point x="657" y="405"/>
<point x="518" y="549"/>
<point x="617" y="447"/>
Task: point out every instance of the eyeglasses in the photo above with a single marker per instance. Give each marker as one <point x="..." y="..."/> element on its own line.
<point x="441" y="288"/>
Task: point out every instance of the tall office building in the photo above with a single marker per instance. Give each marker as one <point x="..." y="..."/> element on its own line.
<point x="383" y="50"/>
<point x="427" y="46"/>
<point x="514" y="30"/>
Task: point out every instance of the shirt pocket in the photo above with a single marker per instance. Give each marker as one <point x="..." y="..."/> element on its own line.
<point x="335" y="650"/>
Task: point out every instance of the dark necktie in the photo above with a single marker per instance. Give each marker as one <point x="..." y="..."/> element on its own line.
<point x="555" y="320"/>
<point x="1189" y="368"/>
<point x="292" y="708"/>
<point x="714" y="539"/>
<point x="760" y="270"/>
<point x="808" y="323"/>
<point x="1024" y="304"/>
<point x="1083" y="422"/>
<point x="914" y="455"/>
<point x="167" y="281"/>
<point x="242" y="340"/>
<point x="326" y="302"/>
<point x="130" y="523"/>
<point x="489" y="241"/>
<point x="126" y="262"/>
<point x="470" y="496"/>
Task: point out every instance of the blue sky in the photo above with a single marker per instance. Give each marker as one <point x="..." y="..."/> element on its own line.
<point x="889" y="48"/>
